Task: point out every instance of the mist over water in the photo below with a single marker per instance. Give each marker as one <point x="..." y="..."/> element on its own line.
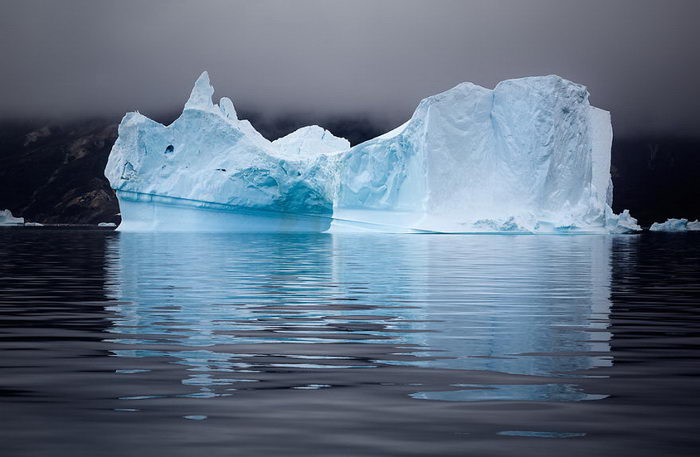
<point x="81" y="58"/>
<point x="347" y="344"/>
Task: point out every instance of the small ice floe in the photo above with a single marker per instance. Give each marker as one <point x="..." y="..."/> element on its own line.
<point x="106" y="224"/>
<point x="676" y="225"/>
<point x="6" y="218"/>
<point x="312" y="387"/>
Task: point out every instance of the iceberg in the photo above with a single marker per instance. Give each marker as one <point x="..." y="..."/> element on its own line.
<point x="620" y="223"/>
<point x="529" y="156"/>
<point x="6" y="218"/>
<point x="676" y="225"/>
<point x="211" y="171"/>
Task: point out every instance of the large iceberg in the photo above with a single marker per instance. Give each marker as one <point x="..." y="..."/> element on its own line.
<point x="530" y="156"/>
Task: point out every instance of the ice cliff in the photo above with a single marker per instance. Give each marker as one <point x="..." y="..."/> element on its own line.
<point x="531" y="155"/>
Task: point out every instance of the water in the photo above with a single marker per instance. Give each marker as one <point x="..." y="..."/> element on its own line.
<point x="229" y="344"/>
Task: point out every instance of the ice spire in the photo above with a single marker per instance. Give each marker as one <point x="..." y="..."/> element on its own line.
<point x="227" y="108"/>
<point x="200" y="98"/>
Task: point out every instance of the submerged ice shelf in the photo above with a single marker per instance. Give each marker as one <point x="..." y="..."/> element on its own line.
<point x="530" y="156"/>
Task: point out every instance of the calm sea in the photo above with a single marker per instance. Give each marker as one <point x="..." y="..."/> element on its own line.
<point x="348" y="345"/>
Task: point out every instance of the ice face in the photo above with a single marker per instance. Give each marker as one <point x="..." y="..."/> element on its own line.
<point x="676" y="225"/>
<point x="529" y="156"/>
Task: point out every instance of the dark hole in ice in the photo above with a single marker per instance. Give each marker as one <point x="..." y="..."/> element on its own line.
<point x="170" y="148"/>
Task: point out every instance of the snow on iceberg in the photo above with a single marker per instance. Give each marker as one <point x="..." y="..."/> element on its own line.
<point x="6" y="218"/>
<point x="529" y="156"/>
<point x="676" y="225"/>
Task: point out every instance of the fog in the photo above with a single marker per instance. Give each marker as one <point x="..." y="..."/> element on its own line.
<point x="375" y="59"/>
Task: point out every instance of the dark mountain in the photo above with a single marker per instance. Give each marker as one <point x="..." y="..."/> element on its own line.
<point x="53" y="173"/>
<point x="657" y="178"/>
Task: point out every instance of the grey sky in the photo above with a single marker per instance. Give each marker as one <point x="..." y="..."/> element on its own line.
<point x="639" y="58"/>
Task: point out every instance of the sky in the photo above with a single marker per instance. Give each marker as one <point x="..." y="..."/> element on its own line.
<point x="640" y="59"/>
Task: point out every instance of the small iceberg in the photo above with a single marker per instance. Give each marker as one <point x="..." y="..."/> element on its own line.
<point x="676" y="225"/>
<point x="6" y="218"/>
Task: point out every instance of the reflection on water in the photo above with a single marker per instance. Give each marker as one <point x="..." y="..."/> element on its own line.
<point x="231" y="307"/>
<point x="408" y="345"/>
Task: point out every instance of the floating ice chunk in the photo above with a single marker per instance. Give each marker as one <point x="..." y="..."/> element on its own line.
<point x="621" y="223"/>
<point x="6" y="218"/>
<point x="675" y="225"/>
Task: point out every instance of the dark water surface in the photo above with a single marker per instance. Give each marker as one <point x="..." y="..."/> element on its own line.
<point x="348" y="345"/>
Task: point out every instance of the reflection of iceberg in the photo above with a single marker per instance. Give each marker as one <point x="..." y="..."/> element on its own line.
<point x="528" y="306"/>
<point x="245" y="304"/>
<point x="531" y="155"/>
<point x="533" y="392"/>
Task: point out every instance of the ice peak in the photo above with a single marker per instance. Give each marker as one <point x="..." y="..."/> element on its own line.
<point x="202" y="92"/>
<point x="310" y="141"/>
<point x="226" y="106"/>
